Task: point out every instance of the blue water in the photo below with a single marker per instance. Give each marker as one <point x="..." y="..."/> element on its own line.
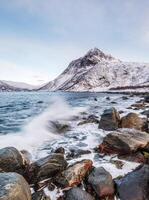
<point x="16" y="108"/>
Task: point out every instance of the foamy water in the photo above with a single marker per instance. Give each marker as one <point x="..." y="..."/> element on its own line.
<point x="38" y="137"/>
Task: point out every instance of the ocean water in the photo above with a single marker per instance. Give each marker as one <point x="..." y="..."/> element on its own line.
<point x="26" y="123"/>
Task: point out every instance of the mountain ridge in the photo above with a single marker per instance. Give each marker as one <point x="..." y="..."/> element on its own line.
<point x="97" y="71"/>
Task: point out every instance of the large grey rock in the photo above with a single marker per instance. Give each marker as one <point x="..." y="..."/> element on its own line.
<point x="110" y="120"/>
<point x="46" y="167"/>
<point x="124" y="141"/>
<point x="132" y="120"/>
<point x="101" y="181"/>
<point x="11" y="160"/>
<point x="14" y="187"/>
<point x="78" y="194"/>
<point x="135" y="185"/>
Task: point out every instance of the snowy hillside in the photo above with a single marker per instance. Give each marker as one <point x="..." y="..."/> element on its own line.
<point x="5" y="87"/>
<point x="97" y="71"/>
<point x="20" y="85"/>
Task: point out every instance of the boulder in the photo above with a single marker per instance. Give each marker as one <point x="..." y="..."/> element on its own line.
<point x="101" y="181"/>
<point x="124" y="141"/>
<point x="146" y="99"/>
<point x="132" y="120"/>
<point x="76" y="153"/>
<point x="137" y="157"/>
<point x="110" y="120"/>
<point x="59" y="127"/>
<point x="135" y="185"/>
<point x="74" y="174"/>
<point x="78" y="194"/>
<point x="89" y="119"/>
<point x="11" y="160"/>
<point x="145" y="112"/>
<point x="14" y="187"/>
<point x="46" y="167"/>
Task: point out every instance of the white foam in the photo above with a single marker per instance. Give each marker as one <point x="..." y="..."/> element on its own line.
<point x="37" y="131"/>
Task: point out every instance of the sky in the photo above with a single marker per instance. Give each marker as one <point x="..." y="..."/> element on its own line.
<point x="39" y="38"/>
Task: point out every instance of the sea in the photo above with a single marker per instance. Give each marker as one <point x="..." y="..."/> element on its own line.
<point x="26" y="122"/>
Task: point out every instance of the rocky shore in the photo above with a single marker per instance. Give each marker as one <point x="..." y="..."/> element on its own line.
<point x="127" y="139"/>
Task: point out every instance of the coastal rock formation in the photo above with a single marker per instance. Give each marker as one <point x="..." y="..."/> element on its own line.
<point x="78" y="194"/>
<point x="74" y="174"/>
<point x="101" y="181"/>
<point x="11" y="160"/>
<point x="124" y="141"/>
<point x="46" y="167"/>
<point x="110" y="120"/>
<point x="135" y="185"/>
<point x="14" y="187"/>
<point x="132" y="120"/>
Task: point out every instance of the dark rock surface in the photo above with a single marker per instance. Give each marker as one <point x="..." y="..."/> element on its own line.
<point x="110" y="120"/>
<point x="46" y="167"/>
<point x="124" y="141"/>
<point x="11" y="160"/>
<point x="101" y="181"/>
<point x="78" y="194"/>
<point x="135" y="185"/>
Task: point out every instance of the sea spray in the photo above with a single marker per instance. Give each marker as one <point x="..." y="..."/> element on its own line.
<point x="36" y="132"/>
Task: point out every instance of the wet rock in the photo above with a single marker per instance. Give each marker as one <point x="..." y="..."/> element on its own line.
<point x="89" y="119"/>
<point x="40" y="196"/>
<point x="27" y="157"/>
<point x="76" y="152"/>
<point x="95" y="99"/>
<point x="40" y="102"/>
<point x="78" y="194"/>
<point x="113" y="102"/>
<point x="132" y="120"/>
<point x="146" y="112"/>
<point x="134" y="186"/>
<point x="59" y="127"/>
<point x="46" y="167"/>
<point x="118" y="163"/>
<point x="124" y="141"/>
<point x="74" y="174"/>
<point x="14" y="187"/>
<point x="60" y="150"/>
<point x="101" y="181"/>
<point x="138" y="106"/>
<point x="137" y="157"/>
<point x="110" y="120"/>
<point x="125" y="97"/>
<point x="146" y="99"/>
<point x="108" y="98"/>
<point x="11" y="160"/>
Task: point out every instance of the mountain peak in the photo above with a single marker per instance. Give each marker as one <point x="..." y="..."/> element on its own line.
<point x="100" y="55"/>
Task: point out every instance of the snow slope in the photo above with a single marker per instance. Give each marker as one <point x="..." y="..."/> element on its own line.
<point x="97" y="71"/>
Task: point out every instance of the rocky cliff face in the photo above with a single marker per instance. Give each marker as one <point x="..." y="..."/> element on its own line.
<point x="97" y="71"/>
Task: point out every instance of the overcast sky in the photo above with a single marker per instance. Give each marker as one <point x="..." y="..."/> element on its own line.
<point x="38" y="38"/>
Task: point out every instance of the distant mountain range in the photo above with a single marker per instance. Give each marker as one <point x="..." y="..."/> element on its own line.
<point x="97" y="71"/>
<point x="9" y="86"/>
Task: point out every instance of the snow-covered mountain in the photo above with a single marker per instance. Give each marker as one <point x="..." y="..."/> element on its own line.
<point x="20" y="85"/>
<point x="97" y="71"/>
<point x="5" y="87"/>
